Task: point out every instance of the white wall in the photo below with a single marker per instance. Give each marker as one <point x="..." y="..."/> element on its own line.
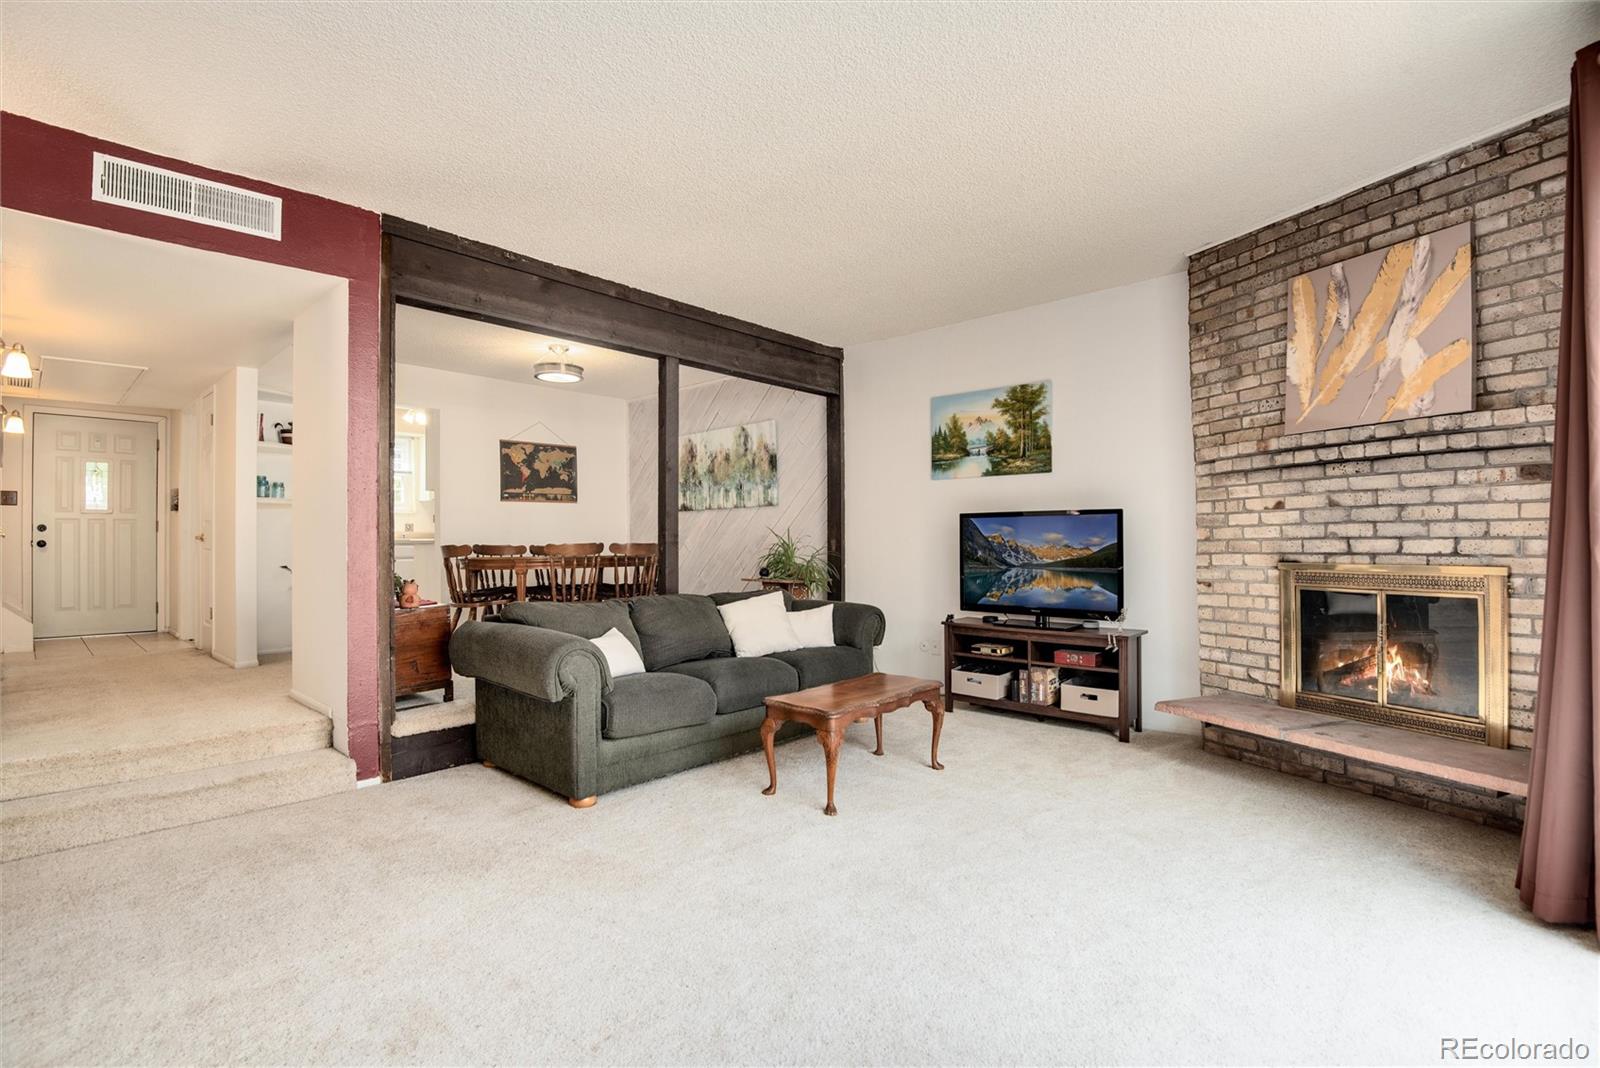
<point x="718" y="548"/>
<point x="1119" y="361"/>
<point x="472" y="414"/>
<point x="235" y="553"/>
<point x="319" y="481"/>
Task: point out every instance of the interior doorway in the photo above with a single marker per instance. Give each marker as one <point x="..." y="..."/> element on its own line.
<point x="96" y="521"/>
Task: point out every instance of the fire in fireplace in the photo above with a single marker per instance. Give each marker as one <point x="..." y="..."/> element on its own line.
<point x="1416" y="647"/>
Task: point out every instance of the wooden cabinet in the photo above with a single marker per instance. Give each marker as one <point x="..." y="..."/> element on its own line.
<point x="1114" y="656"/>
<point x="422" y="650"/>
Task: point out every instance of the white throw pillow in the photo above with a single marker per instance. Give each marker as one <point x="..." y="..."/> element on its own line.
<point x="621" y="656"/>
<point x="813" y="627"/>
<point x="759" y="625"/>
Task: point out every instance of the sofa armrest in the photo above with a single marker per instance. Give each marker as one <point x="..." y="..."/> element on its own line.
<point x="541" y="663"/>
<point x="857" y="625"/>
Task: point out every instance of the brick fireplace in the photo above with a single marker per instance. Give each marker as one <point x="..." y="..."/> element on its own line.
<point x="1470" y="489"/>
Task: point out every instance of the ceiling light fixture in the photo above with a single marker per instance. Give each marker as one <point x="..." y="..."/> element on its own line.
<point x="415" y="417"/>
<point x="559" y="369"/>
<point x="11" y="421"/>
<point x="17" y="369"/>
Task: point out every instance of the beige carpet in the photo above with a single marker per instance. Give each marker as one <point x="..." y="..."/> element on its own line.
<point x="1051" y="896"/>
<point x="84" y="712"/>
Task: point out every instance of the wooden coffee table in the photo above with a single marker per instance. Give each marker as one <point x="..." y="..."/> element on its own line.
<point x="831" y="708"/>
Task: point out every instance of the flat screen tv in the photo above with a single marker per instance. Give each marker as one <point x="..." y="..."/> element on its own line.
<point x="1043" y="564"/>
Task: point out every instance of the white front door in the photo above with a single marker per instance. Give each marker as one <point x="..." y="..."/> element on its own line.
<point x="93" y="538"/>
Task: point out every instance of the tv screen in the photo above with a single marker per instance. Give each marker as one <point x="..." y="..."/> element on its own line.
<point x="1044" y="563"/>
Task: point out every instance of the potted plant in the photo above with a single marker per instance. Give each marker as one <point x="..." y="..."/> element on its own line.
<point x="793" y="561"/>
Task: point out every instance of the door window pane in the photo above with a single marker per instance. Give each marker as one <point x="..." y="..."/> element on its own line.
<point x="96" y="486"/>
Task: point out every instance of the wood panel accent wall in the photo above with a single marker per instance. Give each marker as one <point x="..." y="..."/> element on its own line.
<point x="717" y="548"/>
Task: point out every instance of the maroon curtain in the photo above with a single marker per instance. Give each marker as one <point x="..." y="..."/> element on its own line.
<point x="1557" y="873"/>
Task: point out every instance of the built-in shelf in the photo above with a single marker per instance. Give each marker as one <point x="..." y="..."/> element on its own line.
<point x="275" y="501"/>
<point x="272" y="446"/>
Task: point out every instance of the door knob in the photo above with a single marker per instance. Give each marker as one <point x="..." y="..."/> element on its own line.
<point x="41" y="528"/>
<point x="40" y="543"/>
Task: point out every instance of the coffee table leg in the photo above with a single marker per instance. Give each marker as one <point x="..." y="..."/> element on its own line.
<point x="830" y="740"/>
<point x="937" y="708"/>
<point x="877" y="721"/>
<point x="769" y="727"/>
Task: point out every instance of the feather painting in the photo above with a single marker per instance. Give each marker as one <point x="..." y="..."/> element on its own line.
<point x="1304" y="343"/>
<point x="1391" y="334"/>
<point x="1405" y="313"/>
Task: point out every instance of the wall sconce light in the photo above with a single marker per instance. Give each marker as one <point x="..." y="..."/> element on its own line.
<point x="415" y="417"/>
<point x="11" y="421"/>
<point x="17" y="369"/>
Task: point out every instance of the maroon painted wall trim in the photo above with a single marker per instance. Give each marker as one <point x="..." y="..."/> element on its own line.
<point x="47" y="170"/>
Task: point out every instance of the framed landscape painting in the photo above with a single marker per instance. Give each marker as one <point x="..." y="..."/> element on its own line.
<point x="1001" y="431"/>
<point x="731" y="467"/>
<point x="538" y="471"/>
<point x="1383" y="336"/>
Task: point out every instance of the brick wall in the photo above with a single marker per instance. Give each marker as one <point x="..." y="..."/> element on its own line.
<point x="1470" y="488"/>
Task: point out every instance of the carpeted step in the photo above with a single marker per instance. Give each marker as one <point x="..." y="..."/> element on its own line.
<point x="49" y="822"/>
<point x="118" y="764"/>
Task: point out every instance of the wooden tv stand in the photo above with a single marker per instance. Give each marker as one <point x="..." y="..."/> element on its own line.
<point x="1035" y="647"/>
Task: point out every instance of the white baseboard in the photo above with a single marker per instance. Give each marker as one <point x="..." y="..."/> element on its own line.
<point x="376" y="780"/>
<point x="311" y="703"/>
<point x="235" y="664"/>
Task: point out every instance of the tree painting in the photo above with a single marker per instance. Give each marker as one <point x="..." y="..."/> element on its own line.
<point x="1003" y="431"/>
<point x="732" y="467"/>
<point x="1383" y="336"/>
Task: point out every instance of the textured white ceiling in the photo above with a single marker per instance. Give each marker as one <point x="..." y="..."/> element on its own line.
<point x="456" y="343"/>
<point x="843" y="171"/>
<point x="186" y="315"/>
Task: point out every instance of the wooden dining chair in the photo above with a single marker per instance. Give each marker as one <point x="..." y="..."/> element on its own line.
<point x="496" y="584"/>
<point x="632" y="574"/>
<point x="455" y="577"/>
<point x="636" y="548"/>
<point x="573" y="578"/>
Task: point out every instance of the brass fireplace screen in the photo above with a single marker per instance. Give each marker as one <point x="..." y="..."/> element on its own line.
<point x="1408" y="646"/>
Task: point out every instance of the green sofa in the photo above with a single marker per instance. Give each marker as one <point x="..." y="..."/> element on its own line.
<point x="549" y="711"/>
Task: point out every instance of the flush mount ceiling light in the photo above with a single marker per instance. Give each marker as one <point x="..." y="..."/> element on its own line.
<point x="558" y="369"/>
<point x="17" y="369"/>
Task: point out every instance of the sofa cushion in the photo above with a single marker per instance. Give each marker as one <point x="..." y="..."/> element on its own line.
<point x="675" y="627"/>
<point x="646" y="704"/>
<point x="580" y="619"/>
<point x="741" y="682"/>
<point x="828" y="663"/>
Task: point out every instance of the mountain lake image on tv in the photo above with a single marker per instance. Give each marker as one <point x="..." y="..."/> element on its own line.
<point x="1046" y="563"/>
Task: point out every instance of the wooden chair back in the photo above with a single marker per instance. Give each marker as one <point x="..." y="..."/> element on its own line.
<point x="635" y="548"/>
<point x="573" y="578"/>
<point x="576" y="548"/>
<point x="456" y="578"/>
<point x="496" y="578"/>
<point x="633" y="574"/>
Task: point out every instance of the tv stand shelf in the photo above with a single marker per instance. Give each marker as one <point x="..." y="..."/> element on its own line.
<point x="1035" y="647"/>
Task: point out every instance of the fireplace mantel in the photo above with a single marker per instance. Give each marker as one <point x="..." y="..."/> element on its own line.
<point x="1413" y="646"/>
